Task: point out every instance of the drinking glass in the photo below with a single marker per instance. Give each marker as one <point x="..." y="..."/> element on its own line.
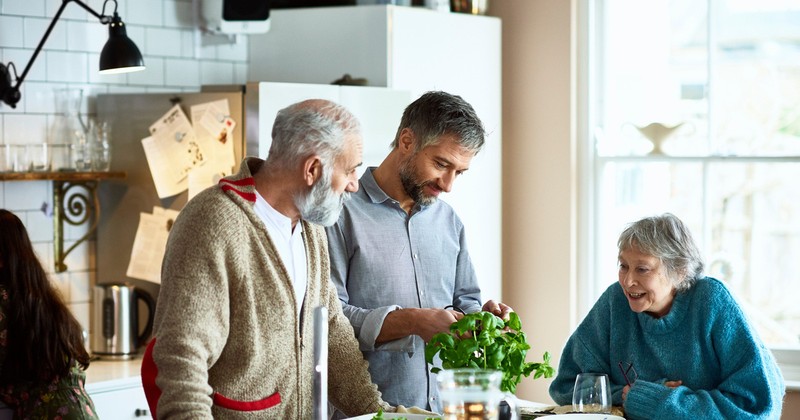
<point x="592" y="393"/>
<point x="99" y="140"/>
<point x="17" y="158"/>
<point x="39" y="157"/>
<point x="5" y="158"/>
<point x="61" y="157"/>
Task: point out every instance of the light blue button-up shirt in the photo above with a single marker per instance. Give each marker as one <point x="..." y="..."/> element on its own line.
<point x="383" y="259"/>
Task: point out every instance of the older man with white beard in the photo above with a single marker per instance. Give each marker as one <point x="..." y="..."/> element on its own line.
<point x="245" y="266"/>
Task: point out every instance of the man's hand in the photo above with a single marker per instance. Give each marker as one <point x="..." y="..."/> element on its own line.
<point x="429" y="321"/>
<point x="424" y="322"/>
<point x="498" y="308"/>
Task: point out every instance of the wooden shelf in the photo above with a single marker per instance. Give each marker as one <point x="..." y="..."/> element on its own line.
<point x="68" y="176"/>
<point x="73" y="206"/>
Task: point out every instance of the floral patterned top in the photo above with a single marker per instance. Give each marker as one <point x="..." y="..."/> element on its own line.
<point x="61" y="399"/>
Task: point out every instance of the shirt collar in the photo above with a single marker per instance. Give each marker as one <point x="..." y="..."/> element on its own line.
<point x="280" y="221"/>
<point x="371" y="188"/>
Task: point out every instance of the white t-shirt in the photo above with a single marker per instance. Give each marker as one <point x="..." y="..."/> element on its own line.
<point x="291" y="247"/>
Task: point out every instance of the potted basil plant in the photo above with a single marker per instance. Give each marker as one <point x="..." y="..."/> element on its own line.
<point x="482" y="340"/>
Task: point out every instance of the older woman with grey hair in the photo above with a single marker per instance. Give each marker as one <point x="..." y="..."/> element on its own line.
<point x="674" y="343"/>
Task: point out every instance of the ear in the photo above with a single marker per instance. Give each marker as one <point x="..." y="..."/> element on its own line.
<point x="407" y="141"/>
<point x="312" y="169"/>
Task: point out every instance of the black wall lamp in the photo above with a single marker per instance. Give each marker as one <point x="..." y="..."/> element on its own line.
<point x="119" y="55"/>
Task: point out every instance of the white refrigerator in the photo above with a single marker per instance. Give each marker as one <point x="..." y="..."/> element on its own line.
<point x="253" y="106"/>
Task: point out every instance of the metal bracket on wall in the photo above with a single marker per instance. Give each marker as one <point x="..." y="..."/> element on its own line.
<point x="75" y="206"/>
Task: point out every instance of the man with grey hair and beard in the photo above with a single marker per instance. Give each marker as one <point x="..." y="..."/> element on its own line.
<point x="398" y="255"/>
<point x="246" y="264"/>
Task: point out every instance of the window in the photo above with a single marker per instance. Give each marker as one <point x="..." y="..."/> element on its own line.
<point x="694" y="109"/>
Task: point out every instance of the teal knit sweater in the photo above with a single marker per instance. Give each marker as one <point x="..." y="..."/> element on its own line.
<point x="705" y="341"/>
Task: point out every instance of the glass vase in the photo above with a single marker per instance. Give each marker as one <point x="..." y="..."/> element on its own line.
<point x="68" y="129"/>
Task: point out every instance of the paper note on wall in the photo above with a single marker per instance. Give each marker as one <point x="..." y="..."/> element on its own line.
<point x="150" y="244"/>
<point x="172" y="150"/>
<point x="202" y="178"/>
<point x="213" y="124"/>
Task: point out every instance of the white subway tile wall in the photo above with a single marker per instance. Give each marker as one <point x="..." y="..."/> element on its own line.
<point x="179" y="58"/>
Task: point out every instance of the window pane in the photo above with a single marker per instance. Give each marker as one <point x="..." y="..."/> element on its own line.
<point x="755" y="89"/>
<point x="630" y="191"/>
<point x="709" y="78"/>
<point x="653" y="68"/>
<point x="755" y="242"/>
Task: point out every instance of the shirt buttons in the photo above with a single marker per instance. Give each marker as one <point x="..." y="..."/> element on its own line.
<point x="415" y="256"/>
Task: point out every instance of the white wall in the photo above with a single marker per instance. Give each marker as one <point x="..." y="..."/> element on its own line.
<point x="176" y="58"/>
<point x="539" y="174"/>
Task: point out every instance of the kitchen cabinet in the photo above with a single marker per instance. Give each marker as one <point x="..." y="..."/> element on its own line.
<point x="254" y="107"/>
<point x="129" y="116"/>
<point x="377" y="109"/>
<point x="121" y="404"/>
<point x="116" y="389"/>
<point x="414" y="49"/>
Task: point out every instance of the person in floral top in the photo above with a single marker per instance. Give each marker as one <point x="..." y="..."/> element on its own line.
<point x="42" y="357"/>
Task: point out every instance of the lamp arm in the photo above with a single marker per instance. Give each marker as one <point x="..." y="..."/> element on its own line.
<point x="103" y="19"/>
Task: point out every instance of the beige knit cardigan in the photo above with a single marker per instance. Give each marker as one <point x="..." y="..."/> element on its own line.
<point x="227" y="329"/>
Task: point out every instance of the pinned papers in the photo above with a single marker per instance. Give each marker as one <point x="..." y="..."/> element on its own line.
<point x="212" y="121"/>
<point x="150" y="244"/>
<point x="176" y="146"/>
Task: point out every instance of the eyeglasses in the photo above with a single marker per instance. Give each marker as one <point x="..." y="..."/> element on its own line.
<point x="628" y="372"/>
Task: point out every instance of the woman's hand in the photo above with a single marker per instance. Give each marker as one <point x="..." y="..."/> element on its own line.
<point x="668" y="384"/>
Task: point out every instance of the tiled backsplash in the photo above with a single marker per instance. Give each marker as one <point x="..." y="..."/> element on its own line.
<point x="178" y="58"/>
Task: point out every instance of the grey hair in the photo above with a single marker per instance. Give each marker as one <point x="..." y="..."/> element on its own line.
<point x="314" y="126"/>
<point x="667" y="238"/>
<point x="437" y="113"/>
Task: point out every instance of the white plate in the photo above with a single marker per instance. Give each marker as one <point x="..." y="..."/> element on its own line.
<point x="409" y="416"/>
<point x="582" y="416"/>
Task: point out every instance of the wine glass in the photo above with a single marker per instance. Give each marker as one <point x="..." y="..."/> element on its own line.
<point x="592" y="393"/>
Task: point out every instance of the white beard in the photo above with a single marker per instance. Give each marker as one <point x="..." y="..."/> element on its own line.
<point x="321" y="205"/>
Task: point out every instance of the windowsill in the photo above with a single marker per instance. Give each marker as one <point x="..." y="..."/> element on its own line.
<point x="708" y="158"/>
<point x="788" y="359"/>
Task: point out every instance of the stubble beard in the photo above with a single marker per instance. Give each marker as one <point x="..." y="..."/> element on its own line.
<point x="412" y="185"/>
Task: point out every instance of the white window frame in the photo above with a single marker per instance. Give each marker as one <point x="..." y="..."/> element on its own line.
<point x="591" y="166"/>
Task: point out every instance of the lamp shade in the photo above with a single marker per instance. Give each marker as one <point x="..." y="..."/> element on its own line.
<point x="120" y="54"/>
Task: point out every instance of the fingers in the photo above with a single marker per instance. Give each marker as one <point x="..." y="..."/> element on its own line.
<point x="625" y="392"/>
<point x="505" y="310"/>
<point x="456" y="315"/>
<point x="498" y="308"/>
<point x="493" y="307"/>
<point x="673" y="384"/>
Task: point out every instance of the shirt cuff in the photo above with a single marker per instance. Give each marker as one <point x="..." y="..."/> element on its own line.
<point x="371" y="328"/>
